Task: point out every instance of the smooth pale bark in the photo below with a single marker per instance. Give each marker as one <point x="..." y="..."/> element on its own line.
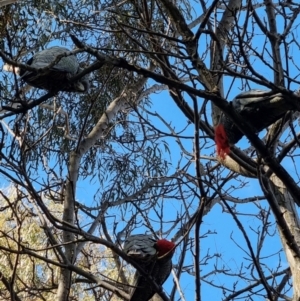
<point x="289" y="213"/>
<point x="217" y="49"/>
<point x="71" y="253"/>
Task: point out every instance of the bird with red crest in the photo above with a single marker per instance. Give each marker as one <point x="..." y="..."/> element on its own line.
<point x="258" y="108"/>
<point x="154" y="257"/>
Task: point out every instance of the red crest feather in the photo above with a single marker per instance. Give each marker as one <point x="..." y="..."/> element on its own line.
<point x="164" y="246"/>
<point x="221" y="140"/>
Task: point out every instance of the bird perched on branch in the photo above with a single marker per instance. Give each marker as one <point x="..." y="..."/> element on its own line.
<point x="154" y="257"/>
<point x="258" y="108"/>
<point x="62" y="67"/>
<point x="6" y="2"/>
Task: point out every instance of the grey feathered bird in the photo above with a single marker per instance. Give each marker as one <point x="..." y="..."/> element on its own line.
<point x="6" y="2"/>
<point x="57" y="78"/>
<point x="155" y="257"/>
<point x="258" y="108"/>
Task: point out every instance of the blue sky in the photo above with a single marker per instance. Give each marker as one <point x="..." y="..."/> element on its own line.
<point x="221" y="225"/>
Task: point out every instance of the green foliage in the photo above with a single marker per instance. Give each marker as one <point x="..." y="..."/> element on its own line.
<point x="137" y="152"/>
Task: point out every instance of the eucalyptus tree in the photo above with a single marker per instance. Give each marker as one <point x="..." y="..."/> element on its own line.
<point x="136" y="153"/>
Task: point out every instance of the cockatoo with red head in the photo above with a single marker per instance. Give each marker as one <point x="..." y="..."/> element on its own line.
<point x="154" y="257"/>
<point x="258" y="108"/>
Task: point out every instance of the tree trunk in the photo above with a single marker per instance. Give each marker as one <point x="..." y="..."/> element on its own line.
<point x="287" y="207"/>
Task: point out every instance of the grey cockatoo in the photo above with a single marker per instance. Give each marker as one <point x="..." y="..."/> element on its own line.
<point x="258" y="108"/>
<point x="57" y="78"/>
<point x="155" y="257"/>
<point x="59" y="69"/>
